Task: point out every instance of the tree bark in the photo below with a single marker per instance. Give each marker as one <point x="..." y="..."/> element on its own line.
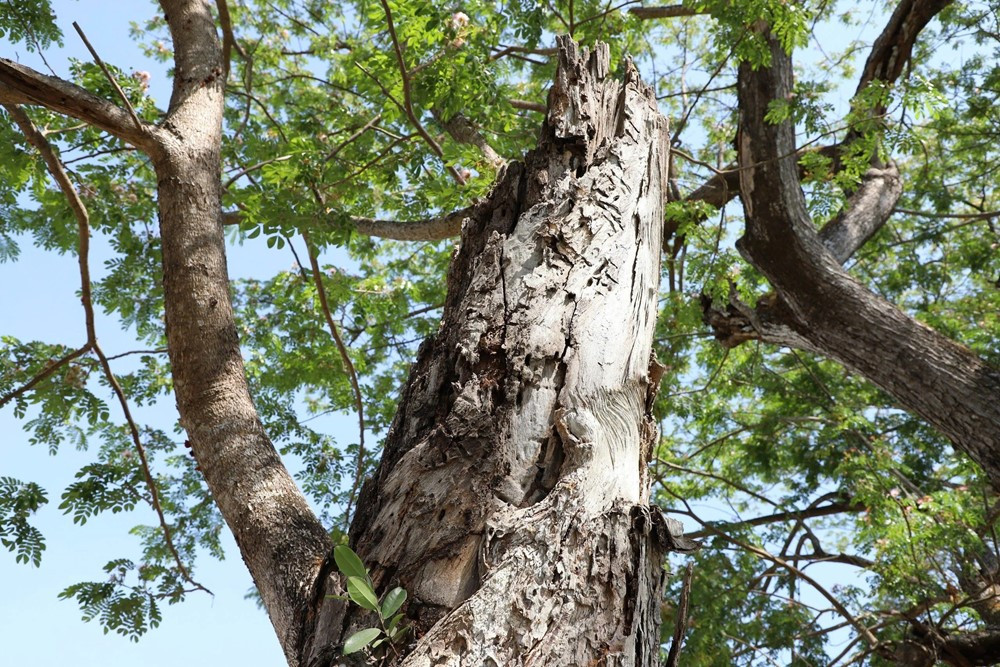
<point x="281" y="541"/>
<point x="512" y="497"/>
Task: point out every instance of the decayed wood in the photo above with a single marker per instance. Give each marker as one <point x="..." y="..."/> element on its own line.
<point x="512" y="498"/>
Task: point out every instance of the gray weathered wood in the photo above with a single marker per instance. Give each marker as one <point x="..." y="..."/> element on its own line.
<point x="512" y="497"/>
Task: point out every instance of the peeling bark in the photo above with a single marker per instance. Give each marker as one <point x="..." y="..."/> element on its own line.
<point x="512" y="497"/>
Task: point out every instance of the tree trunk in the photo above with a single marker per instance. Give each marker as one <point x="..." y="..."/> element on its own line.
<point x="512" y="498"/>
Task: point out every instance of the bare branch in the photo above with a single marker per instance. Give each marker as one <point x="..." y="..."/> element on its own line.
<point x="891" y="51"/>
<point x="428" y="229"/>
<point x="528" y="106"/>
<point x="666" y="12"/>
<point x="463" y="131"/>
<point x="781" y="517"/>
<point x="110" y="77"/>
<point x="352" y="373"/>
<point x="862" y="629"/>
<point x="680" y="624"/>
<point x="865" y="212"/>
<point x="926" y="372"/>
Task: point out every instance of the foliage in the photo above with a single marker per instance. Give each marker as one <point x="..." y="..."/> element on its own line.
<point x="361" y="591"/>
<point x="763" y="450"/>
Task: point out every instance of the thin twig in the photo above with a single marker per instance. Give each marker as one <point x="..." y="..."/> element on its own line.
<point x="160" y="350"/>
<point x="154" y="494"/>
<point x="348" y="365"/>
<point x="958" y="216"/>
<point x="252" y="168"/>
<point x="763" y="553"/>
<point x="720" y="478"/>
<point x="46" y="372"/>
<point x="780" y="517"/>
<point x="58" y="172"/>
<point x="111" y="78"/>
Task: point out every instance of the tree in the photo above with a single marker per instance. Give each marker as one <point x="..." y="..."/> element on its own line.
<point x="511" y="497"/>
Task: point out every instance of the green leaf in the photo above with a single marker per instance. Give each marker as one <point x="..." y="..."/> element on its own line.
<point x="390" y="627"/>
<point x="362" y="594"/>
<point x="360" y="639"/>
<point x="349" y="563"/>
<point x="398" y="632"/>
<point x="394" y="599"/>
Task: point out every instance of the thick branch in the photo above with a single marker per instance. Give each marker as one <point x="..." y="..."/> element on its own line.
<point x="864" y="213"/>
<point x="925" y="646"/>
<point x="23" y="85"/>
<point x="889" y="54"/>
<point x="444" y="226"/>
<point x="926" y="372"/>
<point x="525" y="105"/>
<point x="891" y="50"/>
<point x="667" y="12"/>
<point x="280" y="539"/>
<point x="463" y="131"/>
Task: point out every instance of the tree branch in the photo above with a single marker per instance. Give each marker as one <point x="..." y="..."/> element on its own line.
<point x="280" y="539"/>
<point x="58" y="172"/>
<point x="681" y="622"/>
<point x="408" y="100"/>
<point x="666" y="12"/>
<point x="352" y="373"/>
<point x="23" y="85"/>
<point x="781" y="517"/>
<point x="229" y="43"/>
<point x="891" y="50"/>
<point x="429" y="229"/>
<point x="885" y="62"/>
<point x="865" y="212"/>
<point x="110" y="77"/>
<point x="929" y="374"/>
<point x="525" y="105"/>
<point x="463" y="131"/>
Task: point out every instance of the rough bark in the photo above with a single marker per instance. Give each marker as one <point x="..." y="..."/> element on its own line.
<point x="926" y="372"/>
<point x="512" y="497"/>
<point x="279" y="538"/>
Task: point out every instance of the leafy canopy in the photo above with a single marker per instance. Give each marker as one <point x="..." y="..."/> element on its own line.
<point x="773" y="456"/>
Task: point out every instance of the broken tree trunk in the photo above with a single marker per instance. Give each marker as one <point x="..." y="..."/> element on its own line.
<point x="512" y="497"/>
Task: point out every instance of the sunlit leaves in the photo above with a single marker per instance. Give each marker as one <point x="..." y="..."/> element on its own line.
<point x="18" y="501"/>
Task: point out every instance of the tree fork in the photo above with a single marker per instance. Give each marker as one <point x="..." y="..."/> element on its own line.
<point x="512" y="497"/>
